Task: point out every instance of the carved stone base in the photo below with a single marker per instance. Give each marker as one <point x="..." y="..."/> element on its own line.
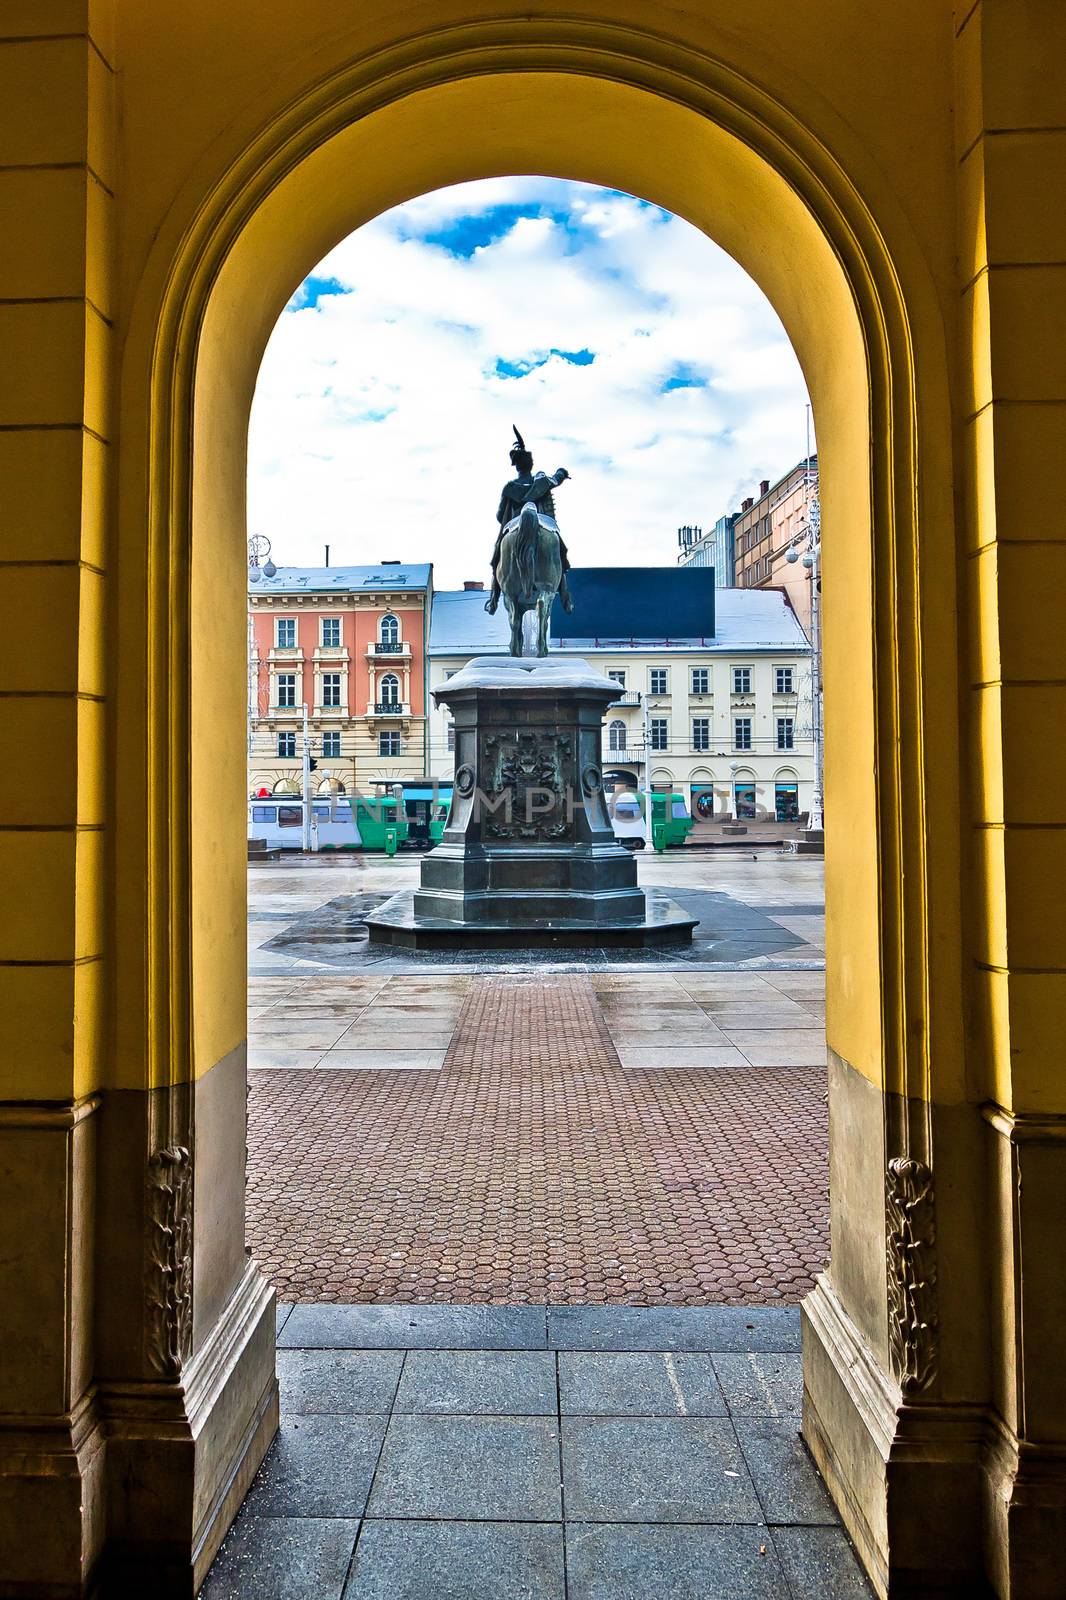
<point x="182" y="1455"/>
<point x="905" y="1478"/>
<point x="529" y="857"/>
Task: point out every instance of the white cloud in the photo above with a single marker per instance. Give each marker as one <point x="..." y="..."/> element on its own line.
<point x="382" y="422"/>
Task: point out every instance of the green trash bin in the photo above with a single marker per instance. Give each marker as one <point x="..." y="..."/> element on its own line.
<point x="392" y="839"/>
<point x="658" y="836"/>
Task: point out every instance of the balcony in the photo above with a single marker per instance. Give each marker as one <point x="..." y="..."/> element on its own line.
<point x="389" y="708"/>
<point x="626" y="697"/>
<point x="623" y="758"/>
<point x="401" y="649"/>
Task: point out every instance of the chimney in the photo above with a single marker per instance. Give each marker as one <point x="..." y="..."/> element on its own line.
<point x="746" y="505"/>
<point x="764" y="487"/>
<point x="473" y="583"/>
<point x="394" y="561"/>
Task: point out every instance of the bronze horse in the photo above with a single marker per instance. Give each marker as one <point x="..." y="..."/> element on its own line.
<point x="530" y="572"/>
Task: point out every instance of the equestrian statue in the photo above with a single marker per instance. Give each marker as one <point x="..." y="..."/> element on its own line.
<point x="529" y="563"/>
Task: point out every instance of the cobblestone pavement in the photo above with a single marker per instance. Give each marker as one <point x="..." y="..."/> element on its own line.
<point x="616" y="1139"/>
<point x="509" y="1453"/>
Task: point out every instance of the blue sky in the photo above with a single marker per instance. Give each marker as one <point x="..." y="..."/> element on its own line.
<point x="624" y="343"/>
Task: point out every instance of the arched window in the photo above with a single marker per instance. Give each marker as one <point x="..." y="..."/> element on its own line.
<point x="390" y="629"/>
<point x="390" y="689"/>
<point x="616" y="735"/>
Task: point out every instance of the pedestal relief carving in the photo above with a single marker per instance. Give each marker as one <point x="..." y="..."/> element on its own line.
<point x="911" y="1239"/>
<point x="525" y="772"/>
<point x="168" y="1260"/>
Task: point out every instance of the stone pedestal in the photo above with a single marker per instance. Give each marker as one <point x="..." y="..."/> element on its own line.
<point x="529" y="855"/>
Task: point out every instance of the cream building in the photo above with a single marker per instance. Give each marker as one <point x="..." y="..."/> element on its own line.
<point x="724" y="719"/>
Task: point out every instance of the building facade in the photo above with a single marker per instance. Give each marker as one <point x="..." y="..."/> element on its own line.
<point x="714" y="549"/>
<point x="347" y="643"/>
<point x="724" y="720"/>
<point x="768" y="526"/>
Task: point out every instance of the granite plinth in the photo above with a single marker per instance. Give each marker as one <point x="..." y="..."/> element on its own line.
<point x="529" y="858"/>
<point x="398" y="923"/>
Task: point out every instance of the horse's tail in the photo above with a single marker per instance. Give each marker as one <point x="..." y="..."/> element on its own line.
<point x="525" y="555"/>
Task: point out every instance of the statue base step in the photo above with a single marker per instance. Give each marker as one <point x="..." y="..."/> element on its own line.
<point x="397" y="923"/>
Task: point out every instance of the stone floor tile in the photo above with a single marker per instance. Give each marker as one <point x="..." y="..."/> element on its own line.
<point x="614" y="1561"/>
<point x="479" y="1382"/>
<point x="296" y="1036"/>
<point x="318" y="1467"/>
<point x="281" y="1312"/>
<point x="415" y="1327"/>
<point x="681" y="1057"/>
<point x="713" y="1327"/>
<point x="265" y="1058"/>
<point x="389" y="1042"/>
<point x="458" y="1561"/>
<point x="638" y="1385"/>
<point x="788" y="1048"/>
<point x="469" y="1468"/>
<point x="400" y="1058"/>
<point x="655" y="1469"/>
<point x="282" y="1558"/>
<point x="820" y="1564"/>
<point x="757" y="1384"/>
<point x="786" y="1480"/>
<point x="338" y="1380"/>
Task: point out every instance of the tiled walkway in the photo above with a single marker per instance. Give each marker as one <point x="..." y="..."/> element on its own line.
<point x="580" y="1453"/>
<point x="562" y="1138"/>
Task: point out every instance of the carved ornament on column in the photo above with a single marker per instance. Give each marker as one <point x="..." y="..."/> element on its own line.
<point x="911" y="1241"/>
<point x="168" y="1260"/>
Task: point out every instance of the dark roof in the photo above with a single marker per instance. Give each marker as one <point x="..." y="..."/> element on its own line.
<point x="637" y="603"/>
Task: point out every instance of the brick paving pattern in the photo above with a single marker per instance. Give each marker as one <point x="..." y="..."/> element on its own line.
<point x="534" y="1168"/>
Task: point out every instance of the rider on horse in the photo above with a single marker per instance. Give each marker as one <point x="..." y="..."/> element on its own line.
<point x="524" y="488"/>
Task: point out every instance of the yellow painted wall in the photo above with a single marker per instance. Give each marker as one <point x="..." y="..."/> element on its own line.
<point x="825" y="97"/>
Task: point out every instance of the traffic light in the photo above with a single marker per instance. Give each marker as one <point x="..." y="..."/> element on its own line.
<point x="311" y="763"/>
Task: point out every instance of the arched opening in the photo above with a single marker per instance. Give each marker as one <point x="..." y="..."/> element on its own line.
<point x="389" y="689"/>
<point x="389" y="632"/>
<point x="616" y="735"/>
<point x="864" y="322"/>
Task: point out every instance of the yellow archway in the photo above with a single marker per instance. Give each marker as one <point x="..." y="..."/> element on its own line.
<point x="821" y="233"/>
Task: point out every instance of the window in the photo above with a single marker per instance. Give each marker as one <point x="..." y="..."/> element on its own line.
<point x="618" y="676"/>
<point x="786" y="802"/>
<point x="331" y="743"/>
<point x="450" y="734"/>
<point x="657" y="681"/>
<point x="287" y="745"/>
<point x="286" y="682"/>
<point x="658" y="730"/>
<point x="701" y="680"/>
<point x="262" y="813"/>
<point x="390" y="689"/>
<point x="741" y="680"/>
<point x="786" y="734"/>
<point x="286" y="635"/>
<point x="616" y="735"/>
<point x="331" y="688"/>
<point x="389" y="742"/>
<point x="701" y="733"/>
<point x="390" y="629"/>
<point x="331" y="632"/>
<point x="290" y="816"/>
<point x="742" y="733"/>
<point x="783" y="680"/>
